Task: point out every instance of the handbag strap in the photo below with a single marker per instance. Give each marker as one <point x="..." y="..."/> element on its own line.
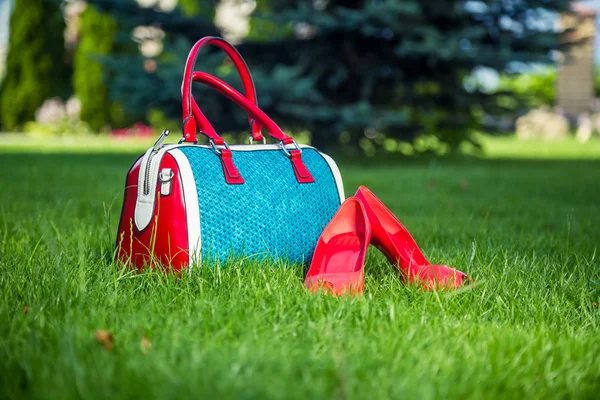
<point x="192" y="116"/>
<point x="232" y="175"/>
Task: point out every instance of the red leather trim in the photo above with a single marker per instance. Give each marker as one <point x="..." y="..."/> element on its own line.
<point x="166" y="247"/>
<point x="302" y="173"/>
<point x="188" y="103"/>
<point x="232" y="175"/>
<point x="189" y="129"/>
<point x="219" y="141"/>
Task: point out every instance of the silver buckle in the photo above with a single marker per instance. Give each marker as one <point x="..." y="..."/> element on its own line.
<point x="216" y="149"/>
<point x="251" y="140"/>
<point x="286" y="151"/>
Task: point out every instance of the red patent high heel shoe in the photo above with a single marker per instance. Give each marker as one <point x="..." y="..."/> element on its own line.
<point x="394" y="240"/>
<point x="337" y="265"/>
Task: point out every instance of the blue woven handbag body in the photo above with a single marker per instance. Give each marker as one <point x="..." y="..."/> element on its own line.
<point x="270" y="215"/>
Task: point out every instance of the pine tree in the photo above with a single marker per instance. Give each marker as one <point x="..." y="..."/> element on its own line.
<point x="35" y="67"/>
<point x="363" y="71"/>
<point x="189" y="20"/>
<point x="132" y="83"/>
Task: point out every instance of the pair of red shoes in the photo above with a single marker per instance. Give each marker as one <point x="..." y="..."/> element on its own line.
<point x="338" y="262"/>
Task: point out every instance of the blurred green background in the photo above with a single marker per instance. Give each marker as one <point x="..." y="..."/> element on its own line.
<point x="365" y="76"/>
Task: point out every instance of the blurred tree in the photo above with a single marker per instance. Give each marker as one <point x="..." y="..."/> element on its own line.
<point x="362" y="71"/>
<point x="186" y="20"/>
<point x="145" y="81"/>
<point x="597" y="76"/>
<point x="35" y="67"/>
<point x="532" y="89"/>
<point x="96" y="38"/>
<point x="263" y="28"/>
<point x="194" y="8"/>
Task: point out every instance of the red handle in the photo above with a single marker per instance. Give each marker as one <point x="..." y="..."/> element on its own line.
<point x="232" y="175"/>
<point x="191" y="112"/>
<point x="247" y="105"/>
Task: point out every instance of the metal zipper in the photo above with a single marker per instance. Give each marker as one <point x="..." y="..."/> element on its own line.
<point x="155" y="148"/>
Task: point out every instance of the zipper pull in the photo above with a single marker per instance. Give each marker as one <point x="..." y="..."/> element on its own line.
<point x="159" y="142"/>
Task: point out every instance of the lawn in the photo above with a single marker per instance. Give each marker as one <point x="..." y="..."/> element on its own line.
<point x="524" y="227"/>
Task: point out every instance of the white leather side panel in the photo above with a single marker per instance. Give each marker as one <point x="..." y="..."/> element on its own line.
<point x="192" y="209"/>
<point x="336" y="174"/>
<point x="144" y="206"/>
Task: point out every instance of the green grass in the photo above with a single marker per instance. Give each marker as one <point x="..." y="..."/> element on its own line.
<point x="558" y="149"/>
<point x="526" y="230"/>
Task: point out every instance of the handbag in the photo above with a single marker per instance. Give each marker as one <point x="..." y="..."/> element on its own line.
<point x="187" y="203"/>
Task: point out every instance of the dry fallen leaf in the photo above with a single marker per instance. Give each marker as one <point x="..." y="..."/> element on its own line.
<point x="145" y="344"/>
<point x="106" y="339"/>
<point x="26" y="309"/>
<point x="595" y="304"/>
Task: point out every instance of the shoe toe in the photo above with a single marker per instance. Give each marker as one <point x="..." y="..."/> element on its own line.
<point x="440" y="277"/>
